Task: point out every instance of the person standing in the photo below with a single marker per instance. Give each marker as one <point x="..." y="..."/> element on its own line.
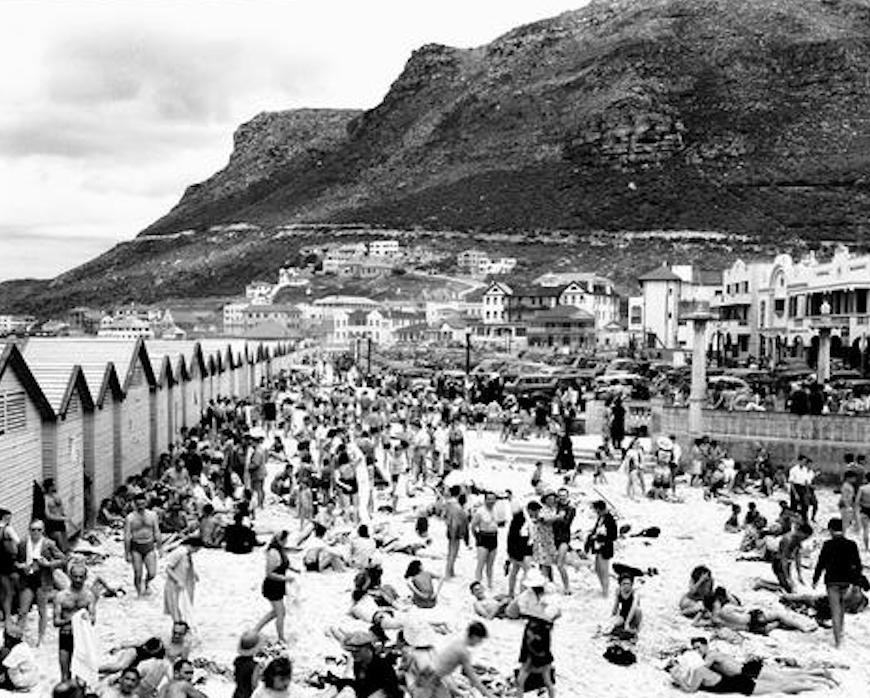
<point x="257" y="466"/>
<point x="274" y="588"/>
<point x="848" y="494"/>
<point x="9" y="541"/>
<point x="601" y="541"/>
<point x="181" y="579"/>
<point x="841" y="564"/>
<point x="456" y="441"/>
<point x="55" y="517"/>
<point x="518" y="547"/>
<point x="456" y="522"/>
<point x="862" y="502"/>
<point x="38" y="557"/>
<point x="142" y="541"/>
<point x="617" y="424"/>
<point x="562" y="534"/>
<point x="543" y="514"/>
<point x="67" y="603"/>
<point x="484" y="527"/>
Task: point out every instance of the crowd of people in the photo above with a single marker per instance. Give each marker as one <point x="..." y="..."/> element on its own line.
<point x="343" y="456"/>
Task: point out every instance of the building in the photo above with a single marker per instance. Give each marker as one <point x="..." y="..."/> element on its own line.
<point x="495" y="302"/>
<point x="736" y="327"/>
<point x="23" y="408"/>
<point x="347" y="303"/>
<point x="593" y="293"/>
<point x="669" y="293"/>
<point x="476" y="262"/>
<point x="384" y="248"/>
<point x="800" y="296"/>
<point x="259" y="292"/>
<point x="561" y="326"/>
<point x="289" y="316"/>
<point x="83" y="320"/>
<point x="10" y="324"/>
<point x="234" y="316"/>
<point x="125" y="327"/>
<point x="502" y="265"/>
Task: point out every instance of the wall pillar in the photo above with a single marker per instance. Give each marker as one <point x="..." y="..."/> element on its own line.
<point x="823" y="368"/>
<point x="698" y="393"/>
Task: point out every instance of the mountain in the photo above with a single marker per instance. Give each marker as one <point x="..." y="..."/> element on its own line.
<point x="739" y="116"/>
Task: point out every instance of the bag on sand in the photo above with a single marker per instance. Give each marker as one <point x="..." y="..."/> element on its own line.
<point x="619" y="655"/>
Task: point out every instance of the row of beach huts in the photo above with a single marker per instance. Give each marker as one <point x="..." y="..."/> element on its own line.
<point x="90" y="412"/>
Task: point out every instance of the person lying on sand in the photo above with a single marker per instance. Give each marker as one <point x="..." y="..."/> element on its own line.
<point x="486" y="606"/>
<point x="760" y="621"/>
<point x="714" y="672"/>
<point x="819" y="607"/>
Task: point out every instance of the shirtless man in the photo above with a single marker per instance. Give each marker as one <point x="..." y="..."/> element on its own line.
<point x="142" y="542"/>
<point x="485" y="529"/>
<point x="487" y="606"/>
<point x="457" y="655"/>
<point x="181" y="685"/>
<point x="760" y="621"/>
<point x="66" y="604"/>
<point x="788" y="556"/>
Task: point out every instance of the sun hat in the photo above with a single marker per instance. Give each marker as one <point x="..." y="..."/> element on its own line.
<point x="357" y="639"/>
<point x="257" y="433"/>
<point x="534" y="579"/>
<point x="664" y="443"/>
<point x="419" y="635"/>
<point x="249" y="643"/>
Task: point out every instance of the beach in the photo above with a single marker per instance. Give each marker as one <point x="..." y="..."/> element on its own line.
<point x="228" y="599"/>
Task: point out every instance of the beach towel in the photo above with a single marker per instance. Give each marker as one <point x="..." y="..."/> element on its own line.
<point x="86" y="652"/>
<point x="185" y="607"/>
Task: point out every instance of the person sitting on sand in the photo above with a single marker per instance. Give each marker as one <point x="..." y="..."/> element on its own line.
<point x="786" y="558"/>
<point x="714" y="672"/>
<point x="488" y="607"/>
<point x="732" y="525"/>
<point x="421" y="584"/>
<point x="626" y="615"/>
<point x="700" y="586"/>
<point x="181" y="685"/>
<point x="760" y="621"/>
<point x="532" y="601"/>
<point x="319" y="555"/>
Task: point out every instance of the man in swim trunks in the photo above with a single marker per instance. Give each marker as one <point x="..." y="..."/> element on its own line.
<point x="486" y="606"/>
<point x="456" y="521"/>
<point x="142" y="541"/>
<point x="485" y="529"/>
<point x="66" y="604"/>
<point x="788" y="556"/>
<point x="457" y="655"/>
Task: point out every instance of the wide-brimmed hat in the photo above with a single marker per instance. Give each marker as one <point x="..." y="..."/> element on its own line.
<point x="357" y="639"/>
<point x="535" y="579"/>
<point x="539" y="613"/>
<point x="419" y="635"/>
<point x="663" y="443"/>
<point x="249" y="643"/>
<point x="257" y="433"/>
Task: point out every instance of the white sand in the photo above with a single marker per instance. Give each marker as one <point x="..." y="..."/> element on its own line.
<point x="228" y="599"/>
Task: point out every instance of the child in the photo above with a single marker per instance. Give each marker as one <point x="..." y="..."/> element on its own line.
<point x="732" y="525"/>
<point x="752" y="514"/>
<point x="598" y="476"/>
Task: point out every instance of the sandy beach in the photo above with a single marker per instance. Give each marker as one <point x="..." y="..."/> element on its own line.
<point x="228" y="599"/>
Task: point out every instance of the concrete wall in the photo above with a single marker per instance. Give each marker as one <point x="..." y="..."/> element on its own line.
<point x="824" y="438"/>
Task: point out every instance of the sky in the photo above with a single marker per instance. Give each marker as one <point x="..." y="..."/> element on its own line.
<point x="110" y="109"/>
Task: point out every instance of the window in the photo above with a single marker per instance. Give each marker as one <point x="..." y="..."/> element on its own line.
<point x="779" y="306"/>
<point x="13" y="411"/>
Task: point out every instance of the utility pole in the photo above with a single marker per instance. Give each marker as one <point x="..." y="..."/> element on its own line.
<point x="369" y="358"/>
<point x="467" y="351"/>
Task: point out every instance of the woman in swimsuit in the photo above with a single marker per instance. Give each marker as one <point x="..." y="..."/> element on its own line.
<point x="420" y="582"/>
<point x="485" y="529"/>
<point x="626" y="614"/>
<point x="274" y="587"/>
<point x="848" y="495"/>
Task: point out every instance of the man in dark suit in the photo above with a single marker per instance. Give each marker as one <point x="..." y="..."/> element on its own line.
<point x="38" y="558"/>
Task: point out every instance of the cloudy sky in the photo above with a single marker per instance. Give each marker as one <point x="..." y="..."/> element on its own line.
<point x="109" y="109"/>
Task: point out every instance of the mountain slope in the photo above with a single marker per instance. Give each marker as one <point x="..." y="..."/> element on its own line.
<point x="605" y="117"/>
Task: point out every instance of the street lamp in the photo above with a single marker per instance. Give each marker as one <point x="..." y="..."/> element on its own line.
<point x="467" y="350"/>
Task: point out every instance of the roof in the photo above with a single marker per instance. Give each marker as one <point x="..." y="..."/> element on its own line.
<point x="177" y="350"/>
<point x="474" y="296"/>
<point x="345" y="300"/>
<point x="565" y="278"/>
<point x="662" y="273"/>
<point x="539" y="291"/>
<point x="274" y="308"/>
<point x="707" y="277"/>
<point x="410" y="329"/>
<point x="562" y="312"/>
<point x="58" y="382"/>
<point x="268" y="330"/>
<point x="92" y="354"/>
<point x="11" y="359"/>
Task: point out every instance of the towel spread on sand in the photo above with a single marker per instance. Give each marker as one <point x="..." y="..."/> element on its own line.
<point x="86" y="652"/>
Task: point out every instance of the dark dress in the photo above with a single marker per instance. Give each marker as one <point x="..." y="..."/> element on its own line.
<point x="617" y="424"/>
<point x="518" y="544"/>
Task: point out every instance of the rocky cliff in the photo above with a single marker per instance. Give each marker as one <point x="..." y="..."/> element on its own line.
<point x="737" y="115"/>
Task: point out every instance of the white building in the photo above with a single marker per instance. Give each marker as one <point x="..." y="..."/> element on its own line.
<point x="502" y="265"/>
<point x="15" y="323"/>
<point x="234" y="316"/>
<point x="125" y="328"/>
<point x="475" y="262"/>
<point x="736" y="328"/>
<point x="494" y="302"/>
<point x="259" y="292"/>
<point x="384" y="248"/>
<point x="667" y="294"/>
